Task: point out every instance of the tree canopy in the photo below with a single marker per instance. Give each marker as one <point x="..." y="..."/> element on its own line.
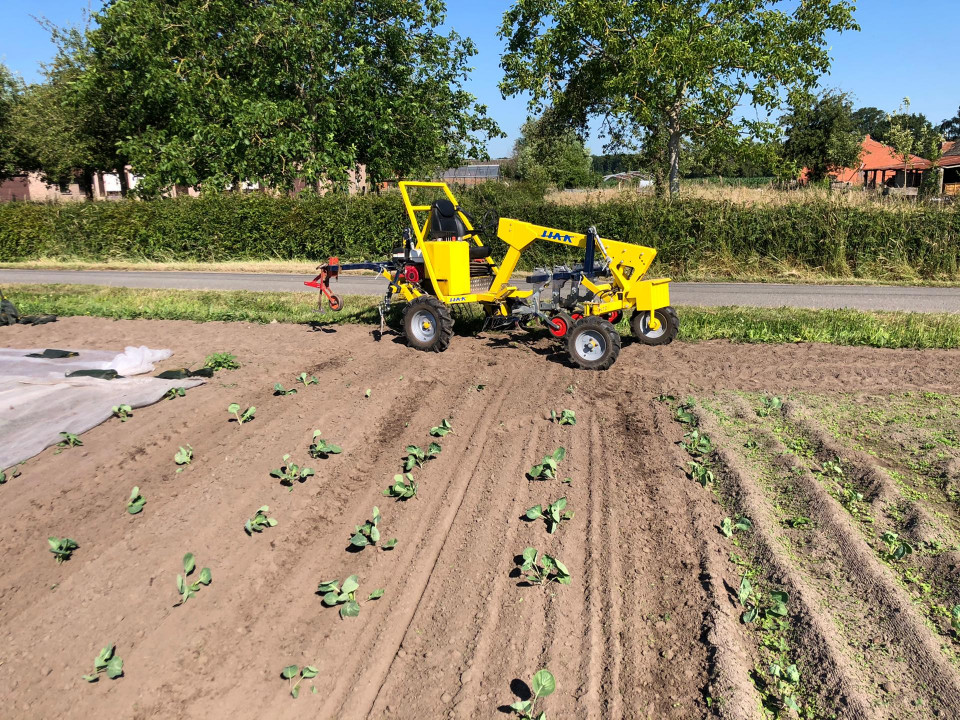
<point x="221" y="91"/>
<point x="821" y="133"/>
<point x="663" y="71"/>
<point x="10" y="90"/>
<point x="552" y="154"/>
<point x="951" y="127"/>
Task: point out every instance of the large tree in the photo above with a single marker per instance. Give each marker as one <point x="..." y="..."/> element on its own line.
<point x="667" y="70"/>
<point x="821" y="133"/>
<point x="215" y="92"/>
<point x="10" y="92"/>
<point x="549" y="153"/>
<point x="951" y="127"/>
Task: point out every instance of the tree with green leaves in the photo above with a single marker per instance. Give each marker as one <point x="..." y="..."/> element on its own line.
<point x="551" y="154"/>
<point x="872" y="121"/>
<point x="662" y="71"/>
<point x="216" y="92"/>
<point x="10" y="93"/>
<point x="951" y="127"/>
<point x="821" y="134"/>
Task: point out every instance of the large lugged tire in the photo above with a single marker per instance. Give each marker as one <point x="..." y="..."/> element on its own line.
<point x="593" y="343"/>
<point x="664" y="335"/>
<point x="427" y="324"/>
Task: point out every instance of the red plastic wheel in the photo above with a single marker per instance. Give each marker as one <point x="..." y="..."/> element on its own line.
<point x="558" y="327"/>
<point x="335" y="303"/>
<point x="613" y="317"/>
<point x="576" y="316"/>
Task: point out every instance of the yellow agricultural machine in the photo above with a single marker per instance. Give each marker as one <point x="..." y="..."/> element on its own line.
<point x="443" y="262"/>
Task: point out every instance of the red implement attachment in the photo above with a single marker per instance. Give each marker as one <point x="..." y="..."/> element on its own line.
<point x="328" y="272"/>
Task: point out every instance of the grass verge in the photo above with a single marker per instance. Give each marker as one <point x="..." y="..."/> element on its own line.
<point x="740" y="324"/>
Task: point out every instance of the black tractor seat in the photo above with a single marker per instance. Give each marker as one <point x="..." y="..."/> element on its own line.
<point x="479" y="252"/>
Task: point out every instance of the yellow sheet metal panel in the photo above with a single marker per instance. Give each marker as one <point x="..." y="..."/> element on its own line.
<point x="650" y="294"/>
<point x="450" y="261"/>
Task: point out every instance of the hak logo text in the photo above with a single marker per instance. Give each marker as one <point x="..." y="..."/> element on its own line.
<point x="557" y="236"/>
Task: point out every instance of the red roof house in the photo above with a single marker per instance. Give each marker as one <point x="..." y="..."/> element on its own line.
<point x="880" y="165"/>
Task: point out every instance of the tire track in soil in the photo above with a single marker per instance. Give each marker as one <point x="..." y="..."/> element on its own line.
<point x="871" y="585"/>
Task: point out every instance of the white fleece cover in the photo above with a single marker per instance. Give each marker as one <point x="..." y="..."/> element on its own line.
<point x="38" y="401"/>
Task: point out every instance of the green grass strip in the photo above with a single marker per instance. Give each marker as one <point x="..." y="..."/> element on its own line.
<point x="740" y="324"/>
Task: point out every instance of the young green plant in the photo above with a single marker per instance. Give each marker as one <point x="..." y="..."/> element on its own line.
<point x="279" y="390"/>
<point x="136" y="502"/>
<point x="245" y="416"/>
<point x="321" y="449"/>
<point x="345" y="596"/>
<point x="188" y="590"/>
<point x="728" y="527"/>
<point x="566" y="417"/>
<point x="107" y="662"/>
<point x="174" y="393"/>
<point x="307" y="672"/>
<point x="442" y="429"/>
<point x="62" y="548"/>
<point x="123" y="412"/>
<point x="547" y="468"/>
<point x="403" y="487"/>
<point x="554" y="514"/>
<point x="697" y="443"/>
<point x="369" y="534"/>
<point x="542" y="685"/>
<point x="69" y="440"/>
<point x="542" y="569"/>
<point x="183" y="457"/>
<point x="417" y="457"/>
<point x="307" y="381"/>
<point x="290" y="472"/>
<point x="221" y="361"/>
<point x="259" y="521"/>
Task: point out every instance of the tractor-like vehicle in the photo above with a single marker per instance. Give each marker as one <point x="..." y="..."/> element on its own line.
<point x="444" y="262"/>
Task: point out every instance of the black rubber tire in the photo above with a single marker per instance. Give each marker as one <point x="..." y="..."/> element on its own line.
<point x="565" y="320"/>
<point x="600" y="331"/>
<point x="440" y="319"/>
<point x="668" y="320"/>
<point x="335" y="304"/>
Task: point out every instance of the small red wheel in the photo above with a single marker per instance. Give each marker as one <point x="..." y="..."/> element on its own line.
<point x="559" y="325"/>
<point x="335" y="303"/>
<point x="576" y="316"/>
<point x="613" y="317"/>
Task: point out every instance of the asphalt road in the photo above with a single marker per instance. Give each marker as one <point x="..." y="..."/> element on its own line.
<point x="859" y="297"/>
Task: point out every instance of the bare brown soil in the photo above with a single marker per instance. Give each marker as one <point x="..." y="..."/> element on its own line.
<point x="650" y="625"/>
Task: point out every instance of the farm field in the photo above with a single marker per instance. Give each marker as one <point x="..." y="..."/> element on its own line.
<point x="755" y="527"/>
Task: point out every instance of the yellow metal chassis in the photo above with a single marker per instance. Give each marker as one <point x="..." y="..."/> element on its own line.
<point x="627" y="265"/>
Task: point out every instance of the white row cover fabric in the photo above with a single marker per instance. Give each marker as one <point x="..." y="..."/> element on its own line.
<point x="38" y="401"/>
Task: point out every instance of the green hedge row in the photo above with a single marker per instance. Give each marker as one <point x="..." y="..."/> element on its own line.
<point x="838" y="238"/>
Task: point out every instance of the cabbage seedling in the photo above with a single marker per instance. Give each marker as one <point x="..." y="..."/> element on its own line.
<point x="188" y="590"/>
<point x="728" y="527"/>
<point x="417" y="457"/>
<point x="245" y="416"/>
<point x="896" y="548"/>
<point x="345" y="596"/>
<point x="769" y="405"/>
<point x="403" y="487"/>
<point x="685" y="413"/>
<point x="700" y="472"/>
<point x="136" y="502"/>
<point x="183" y="457"/>
<point x="14" y="472"/>
<point x="174" y="393"/>
<point x="369" y="533"/>
<point x="543" y="684"/>
<point x="290" y="472"/>
<point x="69" y="440"/>
<point x="62" y="548"/>
<point x="566" y="417"/>
<point x="321" y="448"/>
<point x="697" y="443"/>
<point x="259" y="521"/>
<point x="553" y="515"/>
<point x="306" y="673"/>
<point x="123" y="412"/>
<point x="278" y="390"/>
<point x="442" y="429"/>
<point x="955" y="619"/>
<point x="547" y="469"/>
<point x="302" y="377"/>
<point x="543" y="569"/>
<point x="107" y="662"/>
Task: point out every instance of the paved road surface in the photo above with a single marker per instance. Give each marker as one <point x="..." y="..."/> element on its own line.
<point x="860" y="297"/>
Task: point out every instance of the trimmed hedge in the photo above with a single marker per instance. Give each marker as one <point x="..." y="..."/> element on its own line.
<point x="837" y="238"/>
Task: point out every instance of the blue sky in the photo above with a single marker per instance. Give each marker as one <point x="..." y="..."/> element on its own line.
<point x="904" y="48"/>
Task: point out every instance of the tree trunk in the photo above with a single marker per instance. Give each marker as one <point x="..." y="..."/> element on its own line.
<point x="673" y="151"/>
<point x="124" y="184"/>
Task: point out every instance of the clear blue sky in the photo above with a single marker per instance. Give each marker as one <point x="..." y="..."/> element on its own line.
<point x="904" y="48"/>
